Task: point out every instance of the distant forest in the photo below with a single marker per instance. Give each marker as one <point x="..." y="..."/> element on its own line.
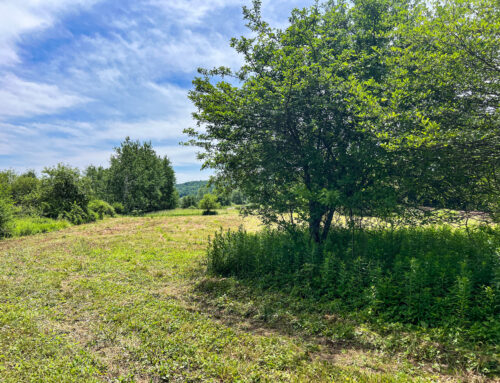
<point x="191" y="188"/>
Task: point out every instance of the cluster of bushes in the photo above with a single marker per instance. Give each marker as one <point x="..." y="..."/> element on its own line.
<point x="62" y="195"/>
<point x="431" y="277"/>
<point x="137" y="181"/>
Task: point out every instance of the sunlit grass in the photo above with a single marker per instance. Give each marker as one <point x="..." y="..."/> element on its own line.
<point x="127" y="299"/>
<point x="35" y="225"/>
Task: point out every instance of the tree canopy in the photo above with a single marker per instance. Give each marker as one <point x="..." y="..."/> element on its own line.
<point x="291" y="136"/>
<point x="342" y="112"/>
<point x="140" y="179"/>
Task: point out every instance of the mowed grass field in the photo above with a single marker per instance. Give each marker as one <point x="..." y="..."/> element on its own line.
<point x="127" y="300"/>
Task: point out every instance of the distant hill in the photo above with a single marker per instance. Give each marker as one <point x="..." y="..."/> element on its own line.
<point x="190" y="188"/>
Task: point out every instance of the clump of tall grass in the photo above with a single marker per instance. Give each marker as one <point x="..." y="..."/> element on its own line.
<point x="432" y="276"/>
<point x="35" y="225"/>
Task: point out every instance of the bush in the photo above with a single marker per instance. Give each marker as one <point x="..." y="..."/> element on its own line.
<point x="76" y="215"/>
<point x="24" y="189"/>
<point x="432" y="277"/>
<point x="118" y="207"/>
<point x="62" y="188"/>
<point x="5" y="217"/>
<point x="101" y="208"/>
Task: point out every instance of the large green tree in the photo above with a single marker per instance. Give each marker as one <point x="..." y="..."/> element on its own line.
<point x="98" y="177"/>
<point x="140" y="179"/>
<point x="290" y="128"/>
<point x="442" y="106"/>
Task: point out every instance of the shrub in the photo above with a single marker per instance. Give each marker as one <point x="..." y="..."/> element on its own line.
<point x="101" y="208"/>
<point x="62" y="188"/>
<point x="118" y="206"/>
<point x="434" y="277"/>
<point x="5" y="217"/>
<point x="24" y="189"/>
<point x="76" y="215"/>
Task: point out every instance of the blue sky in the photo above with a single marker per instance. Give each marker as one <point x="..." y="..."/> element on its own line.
<point x="78" y="76"/>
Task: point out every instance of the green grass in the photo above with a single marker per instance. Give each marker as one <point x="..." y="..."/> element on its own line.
<point x="35" y="225"/>
<point x="127" y="299"/>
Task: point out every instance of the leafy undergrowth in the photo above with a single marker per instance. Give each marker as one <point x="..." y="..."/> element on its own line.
<point x="438" y="284"/>
<point x="126" y="299"/>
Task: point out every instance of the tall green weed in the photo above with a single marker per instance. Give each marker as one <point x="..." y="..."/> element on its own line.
<point x="432" y="277"/>
<point x="35" y="225"/>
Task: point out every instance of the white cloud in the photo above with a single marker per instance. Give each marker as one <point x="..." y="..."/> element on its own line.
<point x="24" y="98"/>
<point x="141" y="54"/>
<point x="179" y="155"/>
<point x="193" y="11"/>
<point x="18" y="17"/>
<point x="143" y="130"/>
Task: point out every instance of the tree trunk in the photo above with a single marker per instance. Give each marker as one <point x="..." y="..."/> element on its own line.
<point x="315" y="218"/>
<point x="327" y="224"/>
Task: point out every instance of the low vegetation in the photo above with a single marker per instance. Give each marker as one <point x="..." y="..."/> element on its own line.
<point x="35" y="225"/>
<point x="434" y="280"/>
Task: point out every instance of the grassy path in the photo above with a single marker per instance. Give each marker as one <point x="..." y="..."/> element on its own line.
<point x="125" y="300"/>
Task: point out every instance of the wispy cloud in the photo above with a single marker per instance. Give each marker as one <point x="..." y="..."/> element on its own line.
<point x="191" y="12"/>
<point x="77" y="76"/>
<point x="25" y="99"/>
<point x="21" y="17"/>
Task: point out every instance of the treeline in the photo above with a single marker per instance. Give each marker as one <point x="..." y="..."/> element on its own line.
<point x="137" y="181"/>
<point x="191" y="193"/>
<point x="190" y="188"/>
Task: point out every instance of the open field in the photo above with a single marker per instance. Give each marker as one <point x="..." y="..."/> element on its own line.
<point x="126" y="299"/>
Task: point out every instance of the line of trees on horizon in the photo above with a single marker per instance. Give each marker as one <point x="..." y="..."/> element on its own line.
<point x="137" y="181"/>
<point x="192" y="192"/>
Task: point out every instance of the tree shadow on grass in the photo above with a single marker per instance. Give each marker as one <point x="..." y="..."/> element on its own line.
<point x="332" y="335"/>
<point x="241" y="304"/>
